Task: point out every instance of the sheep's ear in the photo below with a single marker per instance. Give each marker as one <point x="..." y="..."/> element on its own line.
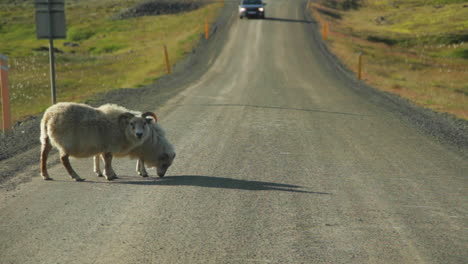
<point x="125" y="118"/>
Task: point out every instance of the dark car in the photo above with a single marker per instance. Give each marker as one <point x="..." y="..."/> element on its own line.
<point x="252" y="8"/>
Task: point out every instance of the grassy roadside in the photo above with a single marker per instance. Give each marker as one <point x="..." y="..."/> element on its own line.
<point x="106" y="53"/>
<point x="417" y="49"/>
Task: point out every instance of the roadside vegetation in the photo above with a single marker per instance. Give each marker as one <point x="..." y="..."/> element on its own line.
<point x="417" y="49"/>
<point x="109" y="45"/>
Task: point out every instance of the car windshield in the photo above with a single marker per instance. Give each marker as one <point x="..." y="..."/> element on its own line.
<point x="252" y="2"/>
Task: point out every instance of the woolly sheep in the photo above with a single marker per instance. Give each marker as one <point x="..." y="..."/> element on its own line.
<point x="79" y="130"/>
<point x="156" y="152"/>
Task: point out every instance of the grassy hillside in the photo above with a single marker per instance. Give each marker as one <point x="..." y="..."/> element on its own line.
<point x="415" y="48"/>
<point x="100" y="52"/>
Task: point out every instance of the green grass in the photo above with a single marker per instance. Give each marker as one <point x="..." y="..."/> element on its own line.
<point x="460" y="53"/>
<point x="417" y="49"/>
<point x="79" y="34"/>
<point x="111" y="53"/>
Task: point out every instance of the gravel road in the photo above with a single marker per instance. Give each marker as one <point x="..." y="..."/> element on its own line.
<point x="282" y="157"/>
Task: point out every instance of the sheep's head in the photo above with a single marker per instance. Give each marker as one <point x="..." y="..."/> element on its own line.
<point x="136" y="128"/>
<point x="164" y="162"/>
<point x="159" y="153"/>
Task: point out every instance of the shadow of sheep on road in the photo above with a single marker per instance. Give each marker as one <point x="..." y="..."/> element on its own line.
<point x="217" y="182"/>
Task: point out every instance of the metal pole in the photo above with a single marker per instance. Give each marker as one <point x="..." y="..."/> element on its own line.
<point x="51" y="55"/>
<point x="52" y="71"/>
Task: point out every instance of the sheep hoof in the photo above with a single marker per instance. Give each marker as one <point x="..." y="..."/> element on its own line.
<point x="99" y="175"/>
<point x="110" y="178"/>
<point x="79" y="179"/>
<point x="47" y="178"/>
<point x="144" y="175"/>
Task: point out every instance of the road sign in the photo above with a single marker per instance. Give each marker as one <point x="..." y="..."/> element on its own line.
<point x="50" y="19"/>
<point x="50" y="24"/>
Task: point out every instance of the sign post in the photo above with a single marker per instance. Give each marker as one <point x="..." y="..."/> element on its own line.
<point x="50" y="24"/>
<point x="6" y="124"/>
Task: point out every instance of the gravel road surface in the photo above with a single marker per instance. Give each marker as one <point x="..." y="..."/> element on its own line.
<point x="282" y="157"/>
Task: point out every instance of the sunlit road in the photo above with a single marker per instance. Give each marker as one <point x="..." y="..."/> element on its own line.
<point x="279" y="160"/>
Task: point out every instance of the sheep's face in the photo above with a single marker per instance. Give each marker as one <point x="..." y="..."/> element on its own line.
<point x="139" y="127"/>
<point x="164" y="162"/>
<point x="136" y="128"/>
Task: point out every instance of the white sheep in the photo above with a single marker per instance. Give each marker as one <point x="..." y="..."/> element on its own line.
<point x="156" y="152"/>
<point x="159" y="153"/>
<point x="79" y="130"/>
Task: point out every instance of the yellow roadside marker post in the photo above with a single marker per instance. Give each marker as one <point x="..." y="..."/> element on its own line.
<point x="166" y="58"/>
<point x="325" y="30"/>
<point x="207" y="29"/>
<point x="360" y="66"/>
<point x="6" y="124"/>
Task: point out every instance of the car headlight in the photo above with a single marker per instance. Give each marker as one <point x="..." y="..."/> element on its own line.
<point x="242" y="9"/>
<point x="260" y="9"/>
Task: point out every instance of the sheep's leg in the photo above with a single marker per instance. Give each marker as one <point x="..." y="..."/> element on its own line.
<point x="97" y="167"/>
<point x="109" y="173"/>
<point x="45" y="149"/>
<point x="66" y="163"/>
<point x="138" y="167"/>
<point x="141" y="168"/>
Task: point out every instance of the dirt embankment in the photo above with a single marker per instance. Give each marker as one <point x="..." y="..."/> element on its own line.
<point x="161" y="7"/>
<point x="404" y="52"/>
